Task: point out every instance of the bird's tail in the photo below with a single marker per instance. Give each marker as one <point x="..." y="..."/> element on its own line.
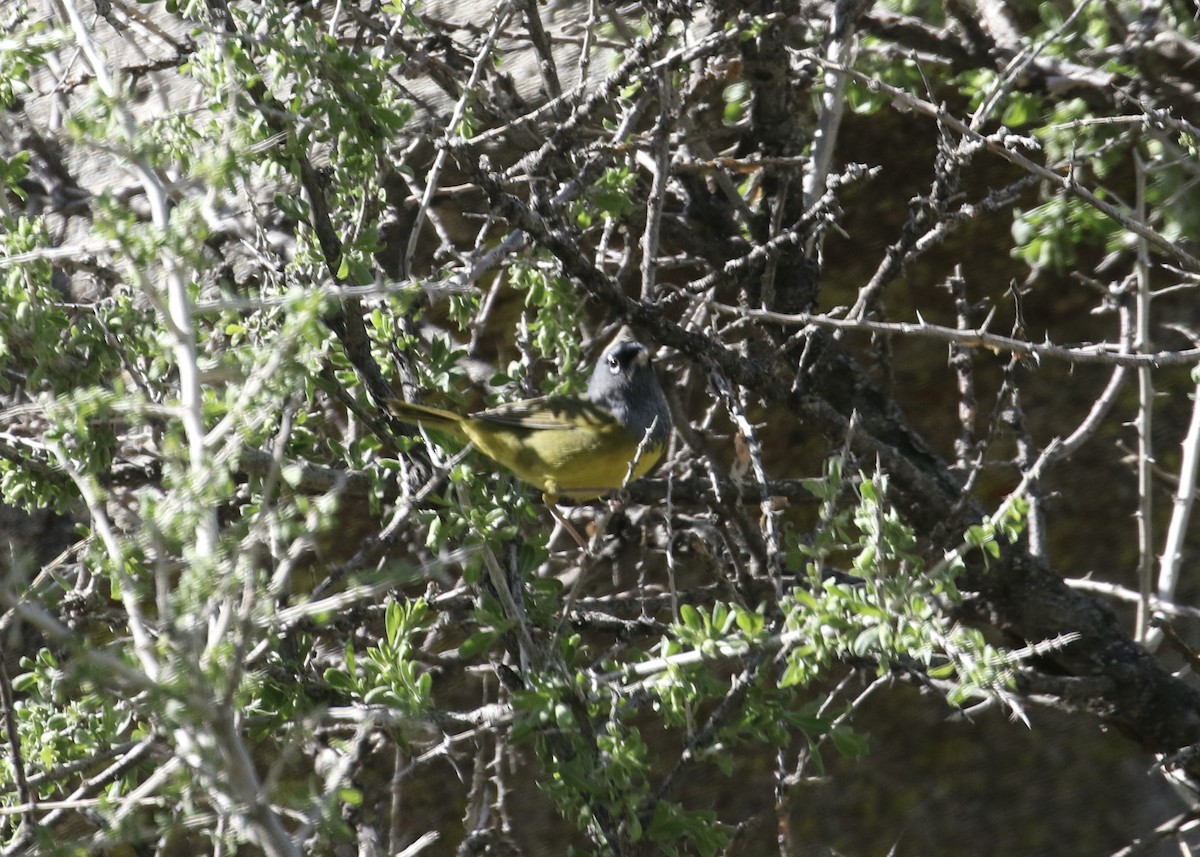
<point x="431" y="418"/>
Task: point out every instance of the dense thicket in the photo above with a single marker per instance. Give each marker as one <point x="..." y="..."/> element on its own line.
<point x="920" y="279"/>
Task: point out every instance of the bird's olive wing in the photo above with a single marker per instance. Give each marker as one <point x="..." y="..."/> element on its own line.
<point x="550" y="412"/>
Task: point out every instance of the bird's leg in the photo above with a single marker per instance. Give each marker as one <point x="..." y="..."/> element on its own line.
<point x="551" y="501"/>
<point x="568" y="526"/>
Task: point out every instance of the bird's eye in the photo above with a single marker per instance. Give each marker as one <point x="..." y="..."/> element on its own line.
<point x="614" y="365"/>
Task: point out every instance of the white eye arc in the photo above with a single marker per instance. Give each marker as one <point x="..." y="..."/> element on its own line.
<point x="614" y="365"/>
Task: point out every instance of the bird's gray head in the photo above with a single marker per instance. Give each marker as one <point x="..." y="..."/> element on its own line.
<point x="625" y="383"/>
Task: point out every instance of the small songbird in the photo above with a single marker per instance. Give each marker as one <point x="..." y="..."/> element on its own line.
<point x="570" y="446"/>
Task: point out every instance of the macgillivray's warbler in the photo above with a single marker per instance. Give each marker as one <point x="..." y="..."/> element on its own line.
<point x="570" y="446"/>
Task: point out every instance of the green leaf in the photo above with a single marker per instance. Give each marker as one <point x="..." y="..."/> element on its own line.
<point x="690" y="617"/>
<point x="292" y="206"/>
<point x="848" y="743"/>
<point x="340" y="680"/>
<point x="350" y="796"/>
<point x="476" y="644"/>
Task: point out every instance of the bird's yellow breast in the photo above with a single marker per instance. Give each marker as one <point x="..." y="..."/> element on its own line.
<point x="578" y="461"/>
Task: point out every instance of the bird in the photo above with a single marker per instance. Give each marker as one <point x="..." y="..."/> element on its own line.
<point x="575" y="446"/>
